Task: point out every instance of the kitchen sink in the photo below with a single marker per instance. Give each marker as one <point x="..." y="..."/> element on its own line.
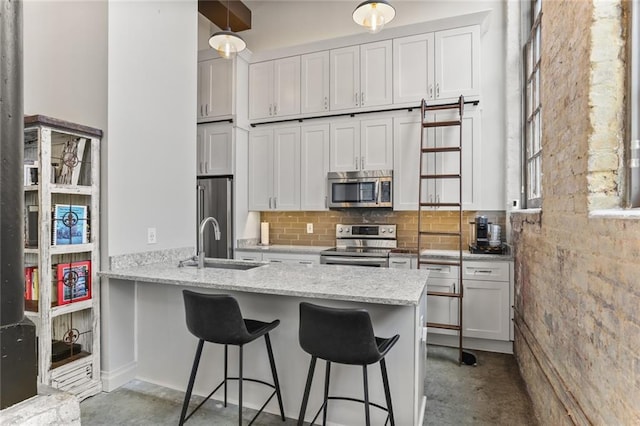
<point x="221" y="264"/>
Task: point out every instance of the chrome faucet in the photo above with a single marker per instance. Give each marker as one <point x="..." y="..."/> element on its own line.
<point x="216" y="231"/>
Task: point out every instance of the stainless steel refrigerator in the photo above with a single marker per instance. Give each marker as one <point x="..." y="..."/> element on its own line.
<point x="215" y="198"/>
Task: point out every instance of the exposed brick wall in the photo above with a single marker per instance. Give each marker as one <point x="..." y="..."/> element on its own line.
<point x="577" y="277"/>
<point x="290" y="227"/>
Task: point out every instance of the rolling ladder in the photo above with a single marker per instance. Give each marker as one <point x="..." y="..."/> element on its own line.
<point x="433" y="175"/>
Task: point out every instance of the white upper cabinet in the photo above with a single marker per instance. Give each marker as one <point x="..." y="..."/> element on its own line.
<point x="215" y="89"/>
<point x="274" y="169"/>
<point x="274" y="88"/>
<point x="406" y="162"/>
<point x="361" y="145"/>
<point x="215" y="149"/>
<point x="438" y="66"/>
<point x="314" y="166"/>
<point x="457" y="63"/>
<point x="413" y="68"/>
<point x="361" y="76"/>
<point x="314" y="85"/>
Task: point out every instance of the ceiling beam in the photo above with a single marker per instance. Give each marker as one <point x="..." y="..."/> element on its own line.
<point x="216" y="12"/>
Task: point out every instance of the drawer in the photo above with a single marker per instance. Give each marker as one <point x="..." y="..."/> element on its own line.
<point x="68" y="378"/>
<point x="485" y="271"/>
<point x="399" y="262"/>
<point x="441" y="271"/>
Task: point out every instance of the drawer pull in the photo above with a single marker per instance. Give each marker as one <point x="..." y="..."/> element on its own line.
<point x="482" y="271"/>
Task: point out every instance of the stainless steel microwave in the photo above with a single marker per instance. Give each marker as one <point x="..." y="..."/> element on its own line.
<point x="373" y="188"/>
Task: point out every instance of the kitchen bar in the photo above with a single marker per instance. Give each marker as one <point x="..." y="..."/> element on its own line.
<point x="395" y="299"/>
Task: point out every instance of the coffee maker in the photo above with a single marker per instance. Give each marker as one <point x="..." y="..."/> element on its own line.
<point x="481" y="241"/>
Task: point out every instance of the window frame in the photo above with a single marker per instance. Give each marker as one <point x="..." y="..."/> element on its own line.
<point x="633" y="108"/>
<point x="532" y="108"/>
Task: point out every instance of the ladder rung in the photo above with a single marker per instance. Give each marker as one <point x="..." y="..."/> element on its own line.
<point x="447" y="176"/>
<point x="442" y="149"/>
<point x="439" y="204"/>
<point x="445" y="326"/>
<point x="442" y="123"/>
<point x="442" y="233"/>
<point x="443" y="294"/>
<point x="439" y="262"/>
<point x="451" y="105"/>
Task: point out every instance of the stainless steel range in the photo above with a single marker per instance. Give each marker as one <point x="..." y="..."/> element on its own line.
<point x="361" y="245"/>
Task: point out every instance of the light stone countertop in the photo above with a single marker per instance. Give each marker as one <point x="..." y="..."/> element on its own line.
<point x="283" y="248"/>
<point x="348" y="283"/>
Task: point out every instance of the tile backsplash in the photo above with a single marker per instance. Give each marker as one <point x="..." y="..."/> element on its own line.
<point x="291" y="227"/>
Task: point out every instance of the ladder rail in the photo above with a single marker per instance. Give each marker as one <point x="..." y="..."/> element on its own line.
<point x="427" y="175"/>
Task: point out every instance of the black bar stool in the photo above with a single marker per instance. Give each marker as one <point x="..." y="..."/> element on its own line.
<point x="217" y="319"/>
<point x="343" y="336"/>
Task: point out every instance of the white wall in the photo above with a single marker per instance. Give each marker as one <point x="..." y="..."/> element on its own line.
<point x="152" y="132"/>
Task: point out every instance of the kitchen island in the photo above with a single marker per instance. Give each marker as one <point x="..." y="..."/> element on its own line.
<point x="164" y="348"/>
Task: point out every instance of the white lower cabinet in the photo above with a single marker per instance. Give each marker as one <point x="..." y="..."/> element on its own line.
<point x="486" y="309"/>
<point x="248" y="255"/>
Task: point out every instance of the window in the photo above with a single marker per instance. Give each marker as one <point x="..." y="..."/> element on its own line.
<point x="532" y="107"/>
<point x="634" y="106"/>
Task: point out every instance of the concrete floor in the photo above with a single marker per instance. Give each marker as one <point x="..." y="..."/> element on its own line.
<point x="491" y="393"/>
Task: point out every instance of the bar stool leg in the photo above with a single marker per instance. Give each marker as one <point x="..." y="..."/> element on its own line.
<point x="307" y="389"/>
<point x="240" y="385"/>
<point x="387" y="393"/>
<point x="326" y="393"/>
<point x="226" y="348"/>
<point x="366" y="395"/>
<point x="276" y="383"/>
<point x="192" y="380"/>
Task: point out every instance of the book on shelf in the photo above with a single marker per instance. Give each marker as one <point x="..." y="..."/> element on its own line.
<point x="31" y="226"/>
<point x="72" y="160"/>
<point x="28" y="282"/>
<point x="70" y="224"/>
<point x="74" y="282"/>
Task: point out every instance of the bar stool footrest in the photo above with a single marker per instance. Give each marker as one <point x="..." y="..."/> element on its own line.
<point x="346" y="398"/>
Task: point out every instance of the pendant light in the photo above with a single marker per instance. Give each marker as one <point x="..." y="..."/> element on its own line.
<point x="226" y="42"/>
<point x="374" y="14"/>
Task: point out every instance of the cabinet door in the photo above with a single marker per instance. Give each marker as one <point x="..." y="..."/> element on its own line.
<point x="440" y="309"/>
<point x="286" y="86"/>
<point x="286" y="169"/>
<point x="447" y="190"/>
<point x="486" y="309"/>
<point x="345" y="78"/>
<point x="457" y="62"/>
<point x="204" y="87"/>
<point x="261" y="90"/>
<point x="314" y="167"/>
<point x="406" y="162"/>
<point x="261" y="170"/>
<point x="315" y="82"/>
<point x="218" y="150"/>
<point x="376" y="146"/>
<point x="345" y="146"/>
<point x="413" y="68"/>
<point x="221" y="92"/>
<point x="376" y="82"/>
<point x="200" y="151"/>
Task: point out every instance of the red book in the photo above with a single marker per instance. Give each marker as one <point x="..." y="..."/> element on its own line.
<point x="74" y="282"/>
<point x="28" y="274"/>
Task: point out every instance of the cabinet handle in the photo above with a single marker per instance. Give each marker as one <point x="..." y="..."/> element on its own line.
<point x="270" y="109"/>
<point x="454" y="287"/>
<point x="326" y="202"/>
<point x="356" y="97"/>
<point x="399" y="262"/>
<point x="437" y="90"/>
<point x="362" y="99"/>
<point x="361" y="163"/>
<point x="305" y="262"/>
<point x="275" y="261"/>
<point x="269" y="202"/>
<point x="206" y="166"/>
<point x="434" y="269"/>
<point x="275" y="109"/>
<point x="275" y="202"/>
<point x="482" y="271"/>
<point x="355" y="161"/>
<point x="201" y="114"/>
<point x="206" y="109"/>
<point x="431" y="91"/>
<point x="326" y="103"/>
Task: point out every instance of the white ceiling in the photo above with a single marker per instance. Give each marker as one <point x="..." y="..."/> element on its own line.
<point x="277" y="24"/>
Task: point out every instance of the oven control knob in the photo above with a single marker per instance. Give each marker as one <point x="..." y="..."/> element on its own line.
<point x="391" y="230"/>
<point x="383" y="230"/>
<point x="340" y="230"/>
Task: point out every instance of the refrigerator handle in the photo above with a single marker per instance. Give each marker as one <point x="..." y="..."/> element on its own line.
<point x="230" y="219"/>
<point x="199" y="211"/>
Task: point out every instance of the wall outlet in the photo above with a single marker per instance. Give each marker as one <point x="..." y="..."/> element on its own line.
<point x="151" y="236"/>
<point x="309" y="228"/>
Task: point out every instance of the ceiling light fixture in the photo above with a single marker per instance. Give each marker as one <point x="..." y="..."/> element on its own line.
<point x="374" y="14"/>
<point x="226" y="42"/>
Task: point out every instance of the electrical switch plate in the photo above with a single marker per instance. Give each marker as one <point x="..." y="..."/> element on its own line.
<point x="151" y="236"/>
<point x="309" y="228"/>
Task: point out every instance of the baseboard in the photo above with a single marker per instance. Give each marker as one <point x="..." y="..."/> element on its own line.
<point x="471" y="343"/>
<point x="114" y="379"/>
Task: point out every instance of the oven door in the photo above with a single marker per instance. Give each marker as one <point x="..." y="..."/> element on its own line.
<point x="353" y="193"/>
<point x="376" y="262"/>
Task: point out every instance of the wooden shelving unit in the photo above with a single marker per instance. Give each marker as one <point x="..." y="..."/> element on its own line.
<point x="65" y="306"/>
